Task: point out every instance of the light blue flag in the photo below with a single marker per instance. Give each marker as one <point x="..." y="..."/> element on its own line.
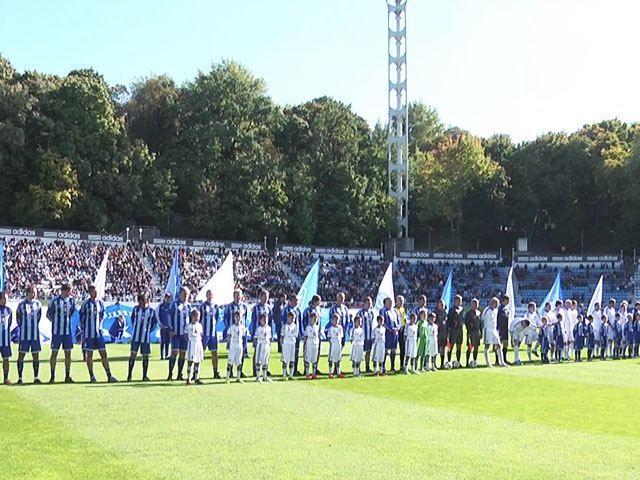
<point x="173" y="285"/>
<point x="554" y="294"/>
<point x="1" y="266"/>
<point x="309" y="287"/>
<point x="447" y="291"/>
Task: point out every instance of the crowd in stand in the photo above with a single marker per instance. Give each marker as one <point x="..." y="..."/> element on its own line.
<point x="357" y="277"/>
<point x="49" y="264"/>
<point x="474" y="280"/>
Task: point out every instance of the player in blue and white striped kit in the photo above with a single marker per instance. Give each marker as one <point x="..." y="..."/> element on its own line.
<point x="366" y="314"/>
<point x="340" y="309"/>
<point x="209" y="320"/>
<point x="6" y="316"/>
<point x="28" y="315"/>
<point x="91" y="317"/>
<point x="60" y="311"/>
<point x="178" y="319"/>
<point x="237" y="306"/>
<point x="144" y="320"/>
<point x="261" y="308"/>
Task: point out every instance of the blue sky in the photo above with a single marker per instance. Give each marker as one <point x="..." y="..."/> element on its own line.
<point x="521" y="67"/>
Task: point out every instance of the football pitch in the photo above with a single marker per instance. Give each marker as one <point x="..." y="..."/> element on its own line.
<point x="552" y="421"/>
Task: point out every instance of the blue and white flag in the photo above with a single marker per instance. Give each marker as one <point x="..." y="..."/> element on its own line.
<point x="1" y="266"/>
<point x="309" y="287"/>
<point x="554" y="295"/>
<point x="596" y="297"/>
<point x="447" y="291"/>
<point x="173" y="285"/>
<point x="221" y="284"/>
<point x="109" y="325"/>
<point x="512" y="297"/>
<point x="385" y="290"/>
<point x="101" y="278"/>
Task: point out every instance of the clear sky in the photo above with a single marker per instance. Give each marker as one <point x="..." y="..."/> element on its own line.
<point x="521" y="67"/>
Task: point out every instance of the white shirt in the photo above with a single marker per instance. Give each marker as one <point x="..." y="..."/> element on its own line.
<point x="236" y="334"/>
<point x="289" y="333"/>
<point x="263" y="335"/>
<point x="335" y="334"/>
<point x="357" y="336"/>
<point x="312" y="332"/>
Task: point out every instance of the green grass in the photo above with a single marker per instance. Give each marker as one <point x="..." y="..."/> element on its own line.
<point x="562" y="421"/>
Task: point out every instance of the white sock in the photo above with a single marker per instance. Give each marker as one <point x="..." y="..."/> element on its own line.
<point x="529" y="353"/>
<point x="486" y="357"/>
<point x="516" y="351"/>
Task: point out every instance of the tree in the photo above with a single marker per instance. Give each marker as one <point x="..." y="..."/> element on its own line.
<point x="448" y="174"/>
<point x="48" y="201"/>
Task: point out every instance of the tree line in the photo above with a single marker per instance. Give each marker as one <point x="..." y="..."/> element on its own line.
<point x="216" y="157"/>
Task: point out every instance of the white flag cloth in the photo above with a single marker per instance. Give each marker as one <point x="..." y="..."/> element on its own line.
<point x="221" y="284"/>
<point x="385" y="290"/>
<point x="101" y="277"/>
<point x="596" y="297"/>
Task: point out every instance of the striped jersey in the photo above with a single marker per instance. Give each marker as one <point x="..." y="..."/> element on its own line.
<point x="28" y="316"/>
<point x="230" y="311"/>
<point x="367" y="322"/>
<point x="179" y="317"/>
<point x="144" y="320"/>
<point x="60" y="312"/>
<point x="91" y="317"/>
<point x="208" y="318"/>
<point x="258" y="311"/>
<point x="5" y="326"/>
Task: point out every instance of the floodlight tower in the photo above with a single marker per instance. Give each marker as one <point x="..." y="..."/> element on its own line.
<point x="398" y="141"/>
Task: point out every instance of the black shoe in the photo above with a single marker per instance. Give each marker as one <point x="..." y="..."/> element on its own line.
<point x="113" y="379"/>
<point x="179" y="377"/>
<point x="242" y="375"/>
<point x="129" y="378"/>
<point x="37" y="381"/>
<point x="93" y="380"/>
<point x="535" y="354"/>
<point x="198" y="382"/>
<point x="216" y="376"/>
<point x="170" y="378"/>
<point x="68" y="380"/>
<point x="19" y="382"/>
<point x="297" y="373"/>
<point x="268" y="373"/>
<point x="146" y="379"/>
<point x="52" y="380"/>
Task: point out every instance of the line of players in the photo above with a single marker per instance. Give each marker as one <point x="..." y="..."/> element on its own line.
<point x="419" y="335"/>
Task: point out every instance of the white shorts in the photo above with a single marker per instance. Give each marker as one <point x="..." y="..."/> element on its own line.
<point x="357" y="352"/>
<point x="378" y="352"/>
<point x="335" y="352"/>
<point x="263" y="352"/>
<point x="235" y="354"/>
<point x="288" y="352"/>
<point x="311" y="352"/>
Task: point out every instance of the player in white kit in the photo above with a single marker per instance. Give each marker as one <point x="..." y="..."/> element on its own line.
<point x="357" y="345"/>
<point x="311" y="346"/>
<point x="288" y="339"/>
<point x="490" y="332"/>
<point x="235" y="338"/>
<point x="378" y="347"/>
<point x="411" y="345"/>
<point x="195" y="350"/>
<point x="335" y="336"/>
<point x="262" y="349"/>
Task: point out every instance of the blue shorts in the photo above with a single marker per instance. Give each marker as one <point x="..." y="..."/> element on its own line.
<point x="179" y="342"/>
<point x="367" y="345"/>
<point x="211" y="343"/>
<point x="91" y="344"/>
<point x="145" y="348"/>
<point x="65" y="340"/>
<point x="5" y="352"/>
<point x="29" y="346"/>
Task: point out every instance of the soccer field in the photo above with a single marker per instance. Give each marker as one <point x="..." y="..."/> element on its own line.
<point x="570" y="420"/>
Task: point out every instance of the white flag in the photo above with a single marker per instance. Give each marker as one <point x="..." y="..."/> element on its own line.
<point x="385" y="290"/>
<point x="221" y="284"/>
<point x="512" y="297"/>
<point x="596" y="297"/>
<point x="101" y="277"/>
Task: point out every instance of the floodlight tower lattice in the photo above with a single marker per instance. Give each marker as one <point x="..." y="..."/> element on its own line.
<point x="398" y="141"/>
